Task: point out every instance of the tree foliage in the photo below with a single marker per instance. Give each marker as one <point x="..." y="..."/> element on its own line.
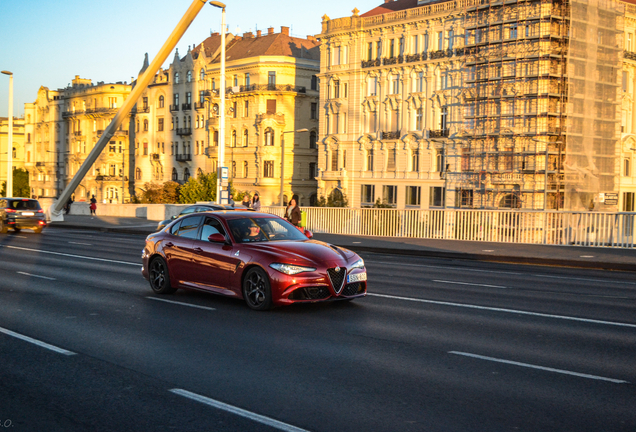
<point x="20" y="184"/>
<point x="166" y="193"/>
<point x="335" y="199"/>
<point x="201" y="189"/>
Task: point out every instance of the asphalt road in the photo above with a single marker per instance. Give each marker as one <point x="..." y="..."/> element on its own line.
<point x="438" y="345"/>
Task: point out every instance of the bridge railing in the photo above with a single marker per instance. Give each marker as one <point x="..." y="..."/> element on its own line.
<point x="507" y="226"/>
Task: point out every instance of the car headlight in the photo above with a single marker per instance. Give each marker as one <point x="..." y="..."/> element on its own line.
<point x="290" y="269"/>
<point x="358" y="264"/>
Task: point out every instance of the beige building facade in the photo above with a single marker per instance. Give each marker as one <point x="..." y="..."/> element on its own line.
<point x="271" y="92"/>
<point x="17" y="149"/>
<point x="480" y="105"/>
<point x="62" y="127"/>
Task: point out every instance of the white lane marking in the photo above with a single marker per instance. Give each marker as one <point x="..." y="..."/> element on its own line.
<point x="181" y="304"/>
<point x="36" y="342"/>
<point x="501" y="272"/>
<point x="513" y="311"/>
<point x="36" y="276"/>
<point x="79" y="243"/>
<point x="472" y="284"/>
<point x="20" y="236"/>
<point x="488" y="250"/>
<point x="587" y="256"/>
<point x="561" y="371"/>
<point x="73" y="256"/>
<point x="238" y="411"/>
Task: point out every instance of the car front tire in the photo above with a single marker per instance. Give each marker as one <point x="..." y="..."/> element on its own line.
<point x="159" y="277"/>
<point x="257" y="290"/>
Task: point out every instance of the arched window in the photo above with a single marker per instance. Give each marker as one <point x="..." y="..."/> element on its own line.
<point x="510" y="201"/>
<point x="186" y="174"/>
<point x="175" y="175"/>
<point x="246" y="138"/>
<point x="138" y="174"/>
<point x="313" y="138"/>
<point x="199" y="171"/>
<point x="189" y="76"/>
<point x="176" y="77"/>
<point x="269" y="137"/>
<point x="202" y="74"/>
<point x="233" y="138"/>
<point x="161" y="101"/>
<point x="146" y="125"/>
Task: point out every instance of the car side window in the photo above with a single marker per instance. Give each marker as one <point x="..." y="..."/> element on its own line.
<point x="211" y="226"/>
<point x="190" y="227"/>
<point x="187" y="211"/>
<point x="174" y="229"/>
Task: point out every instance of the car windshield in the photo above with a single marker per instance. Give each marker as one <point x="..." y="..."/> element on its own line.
<point x="247" y="230"/>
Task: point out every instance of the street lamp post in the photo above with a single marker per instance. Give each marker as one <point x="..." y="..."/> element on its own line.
<point x="9" y="188"/>
<point x="282" y="162"/>
<point x="221" y="149"/>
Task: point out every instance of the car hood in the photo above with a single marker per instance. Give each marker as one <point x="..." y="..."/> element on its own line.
<point x="305" y="252"/>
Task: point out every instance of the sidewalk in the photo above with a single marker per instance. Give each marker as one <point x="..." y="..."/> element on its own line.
<point x="562" y="256"/>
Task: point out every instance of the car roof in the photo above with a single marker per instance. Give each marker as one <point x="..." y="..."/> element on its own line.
<point x="240" y="214"/>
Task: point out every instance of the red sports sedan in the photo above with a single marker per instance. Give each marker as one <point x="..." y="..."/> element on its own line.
<point x="258" y="257"/>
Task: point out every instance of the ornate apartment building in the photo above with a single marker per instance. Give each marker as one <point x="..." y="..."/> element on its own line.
<point x="271" y="89"/>
<point x="479" y="104"/>
<point x="17" y="149"/>
<point x="62" y="126"/>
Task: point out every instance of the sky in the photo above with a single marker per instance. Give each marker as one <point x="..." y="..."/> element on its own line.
<point x="47" y="43"/>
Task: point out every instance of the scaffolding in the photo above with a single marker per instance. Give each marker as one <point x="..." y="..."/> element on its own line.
<point x="528" y="91"/>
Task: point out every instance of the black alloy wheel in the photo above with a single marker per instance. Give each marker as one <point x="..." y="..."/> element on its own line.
<point x="159" y="278"/>
<point x="257" y="290"/>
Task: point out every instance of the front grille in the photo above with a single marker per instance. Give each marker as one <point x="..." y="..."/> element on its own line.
<point x="311" y="293"/>
<point x="353" y="289"/>
<point x="337" y="278"/>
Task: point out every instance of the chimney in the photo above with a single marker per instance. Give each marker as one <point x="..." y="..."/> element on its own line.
<point x="311" y="38"/>
<point x="248" y="35"/>
<point x="284" y="30"/>
<point x="258" y="33"/>
<point x="270" y="30"/>
<point x="387" y="1"/>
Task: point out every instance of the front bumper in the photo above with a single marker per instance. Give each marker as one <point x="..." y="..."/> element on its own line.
<point x="314" y="287"/>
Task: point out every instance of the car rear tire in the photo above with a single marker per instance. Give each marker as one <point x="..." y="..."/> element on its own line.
<point x="257" y="290"/>
<point x="17" y="229"/>
<point x="3" y="227"/>
<point x="159" y="277"/>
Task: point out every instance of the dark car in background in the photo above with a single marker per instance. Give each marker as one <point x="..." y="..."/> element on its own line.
<point x="258" y="257"/>
<point x="196" y="208"/>
<point x="21" y="213"/>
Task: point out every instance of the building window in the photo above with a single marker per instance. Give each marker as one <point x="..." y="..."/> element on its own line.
<point x="314" y="111"/>
<point x="627" y="167"/>
<point x="314" y="82"/>
<point x="246" y="138"/>
<point x="378" y="49"/>
<point x="271" y="80"/>
<point x="440" y="41"/>
<point x="367" y="196"/>
<point x="389" y="194"/>
<point x="437" y="196"/>
<point x="271" y="106"/>
<point x="160" y="125"/>
<point x="268" y="169"/>
<point x="415" y="160"/>
<point x="313" y="140"/>
<point x="247" y="80"/>
<point x="233" y="142"/>
<point x="439" y="160"/>
<point x="334" y="160"/>
<point x="372" y="86"/>
<point x="176" y="100"/>
<point x="234" y="109"/>
<point x="312" y="170"/>
<point x="202" y="74"/>
<point x="269" y="137"/>
<point x="112" y="102"/>
<point x="145" y="102"/>
<point x="246" y="109"/>
<point x="176" y="77"/>
<point x="245" y="169"/>
<point x="186" y="174"/>
<point x="370" y="160"/>
<point x="419" y="119"/>
<point x="336" y="89"/>
<point x="189" y="76"/>
<point x="145" y="148"/>
<point x="628" y="201"/>
<point x="138" y="174"/>
<point x="465" y="198"/>
<point x="233" y="169"/>
<point x="413" y="194"/>
<point x="390" y="163"/>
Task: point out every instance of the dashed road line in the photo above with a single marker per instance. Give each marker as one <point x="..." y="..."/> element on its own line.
<point x="36" y="342"/>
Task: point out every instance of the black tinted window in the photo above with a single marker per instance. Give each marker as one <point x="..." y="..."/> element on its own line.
<point x="189" y="227"/>
<point x="24" y="205"/>
<point x="174" y="229"/>
<point x="187" y="211"/>
<point x="211" y="226"/>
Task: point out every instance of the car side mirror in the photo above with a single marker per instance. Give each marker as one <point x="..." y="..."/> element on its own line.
<point x="216" y="238"/>
<point x="308" y="234"/>
<point x="173" y="217"/>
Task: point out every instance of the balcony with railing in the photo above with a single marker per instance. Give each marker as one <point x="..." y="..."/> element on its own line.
<point x="184" y="131"/>
<point x="391" y="135"/>
<point x="183" y="157"/>
<point x="110" y="178"/>
<point x="155" y="156"/>
<point x="272" y="87"/>
<point x="199" y="105"/>
<point x="143" y="109"/>
<point x="186" y="106"/>
<point x="78" y="133"/>
<point x="174" y="107"/>
<point x="441" y="133"/>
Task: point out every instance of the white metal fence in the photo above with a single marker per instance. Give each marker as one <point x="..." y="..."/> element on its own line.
<point x="530" y="227"/>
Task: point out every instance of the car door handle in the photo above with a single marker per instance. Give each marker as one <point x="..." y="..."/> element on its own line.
<point x="169" y="244"/>
<point x="198" y="249"/>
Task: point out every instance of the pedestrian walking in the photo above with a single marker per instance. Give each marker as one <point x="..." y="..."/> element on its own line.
<point x="67" y="207"/>
<point x="256" y="202"/>
<point x="292" y="213"/>
<point x="231" y="201"/>
<point x="93" y="206"/>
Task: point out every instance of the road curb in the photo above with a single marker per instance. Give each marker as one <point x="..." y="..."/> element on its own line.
<point x="135" y="231"/>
